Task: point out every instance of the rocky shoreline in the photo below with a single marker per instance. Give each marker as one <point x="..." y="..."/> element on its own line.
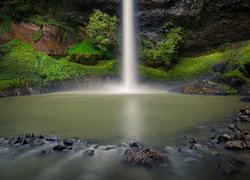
<point x="229" y="141"/>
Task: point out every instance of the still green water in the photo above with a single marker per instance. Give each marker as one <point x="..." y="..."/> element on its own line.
<point x="158" y="120"/>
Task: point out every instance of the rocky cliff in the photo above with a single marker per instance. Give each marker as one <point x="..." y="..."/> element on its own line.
<point x="207" y="23"/>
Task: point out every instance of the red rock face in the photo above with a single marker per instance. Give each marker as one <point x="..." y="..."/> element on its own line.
<point x="51" y="41"/>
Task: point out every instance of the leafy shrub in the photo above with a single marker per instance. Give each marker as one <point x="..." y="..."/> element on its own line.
<point x="165" y="52"/>
<point x="102" y="29"/>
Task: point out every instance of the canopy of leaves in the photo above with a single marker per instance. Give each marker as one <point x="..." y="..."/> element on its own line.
<point x="165" y="52"/>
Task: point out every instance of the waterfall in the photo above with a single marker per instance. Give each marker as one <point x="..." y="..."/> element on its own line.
<point x="129" y="56"/>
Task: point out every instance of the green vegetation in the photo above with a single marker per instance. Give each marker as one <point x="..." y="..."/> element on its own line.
<point x="4" y="24"/>
<point x="190" y="68"/>
<point x="37" y="36"/>
<point x="165" y="52"/>
<point x="84" y="48"/>
<point x="21" y="66"/>
<point x="153" y="73"/>
<point x="85" y="53"/>
<point x="239" y="62"/>
<point x="102" y="30"/>
<point x="42" y="21"/>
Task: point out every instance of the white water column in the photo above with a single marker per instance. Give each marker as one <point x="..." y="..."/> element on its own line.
<point x="129" y="56"/>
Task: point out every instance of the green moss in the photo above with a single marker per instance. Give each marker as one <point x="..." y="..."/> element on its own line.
<point x="11" y="83"/>
<point x="37" y="36"/>
<point x="21" y="65"/>
<point x="84" y="48"/>
<point x="151" y="73"/>
<point x="189" y="68"/>
<point x="192" y="67"/>
<point x="5" y="22"/>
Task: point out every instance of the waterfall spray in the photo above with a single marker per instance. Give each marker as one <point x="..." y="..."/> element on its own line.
<point x="129" y="57"/>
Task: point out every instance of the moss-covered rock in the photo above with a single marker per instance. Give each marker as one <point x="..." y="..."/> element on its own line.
<point x="85" y="53"/>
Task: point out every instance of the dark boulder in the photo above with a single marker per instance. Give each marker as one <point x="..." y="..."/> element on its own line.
<point x="68" y="142"/>
<point x="192" y="141"/>
<point x="145" y="158"/>
<point x="53" y="138"/>
<point x="61" y="148"/>
<point x="136" y="145"/>
<point x="16" y="140"/>
<point x="235" y="145"/>
<point x="224" y="138"/>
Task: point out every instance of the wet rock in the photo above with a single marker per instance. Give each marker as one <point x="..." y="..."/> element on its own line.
<point x="238" y="135"/>
<point x="230" y="167"/>
<point x="235" y="145"/>
<point x="61" y="148"/>
<point x="246" y="137"/>
<point x="144" y="158"/>
<point x="53" y="138"/>
<point x="89" y="153"/>
<point x="244" y="118"/>
<point x="193" y="146"/>
<point x="68" y="142"/>
<point x="233" y="126"/>
<point x="245" y="111"/>
<point x="136" y="145"/>
<point x="203" y="88"/>
<point x="192" y="141"/>
<point x="245" y="99"/>
<point x="16" y="140"/>
<point x="247" y="145"/>
<point x="224" y="138"/>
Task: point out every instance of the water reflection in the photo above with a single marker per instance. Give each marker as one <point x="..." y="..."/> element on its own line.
<point x="132" y="118"/>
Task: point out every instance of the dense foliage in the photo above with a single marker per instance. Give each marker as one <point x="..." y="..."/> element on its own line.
<point x="165" y="52"/>
<point x="23" y="66"/>
<point x="102" y="29"/>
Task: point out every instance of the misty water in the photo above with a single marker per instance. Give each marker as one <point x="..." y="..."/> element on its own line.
<point x="156" y="120"/>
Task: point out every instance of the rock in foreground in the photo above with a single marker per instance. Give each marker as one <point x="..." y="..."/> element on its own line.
<point x="145" y="158"/>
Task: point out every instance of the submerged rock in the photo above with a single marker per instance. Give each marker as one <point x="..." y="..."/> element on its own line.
<point x="192" y="141"/>
<point x="230" y="167"/>
<point x="89" y="153"/>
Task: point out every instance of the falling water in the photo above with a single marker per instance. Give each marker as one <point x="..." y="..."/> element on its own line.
<point x="129" y="58"/>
